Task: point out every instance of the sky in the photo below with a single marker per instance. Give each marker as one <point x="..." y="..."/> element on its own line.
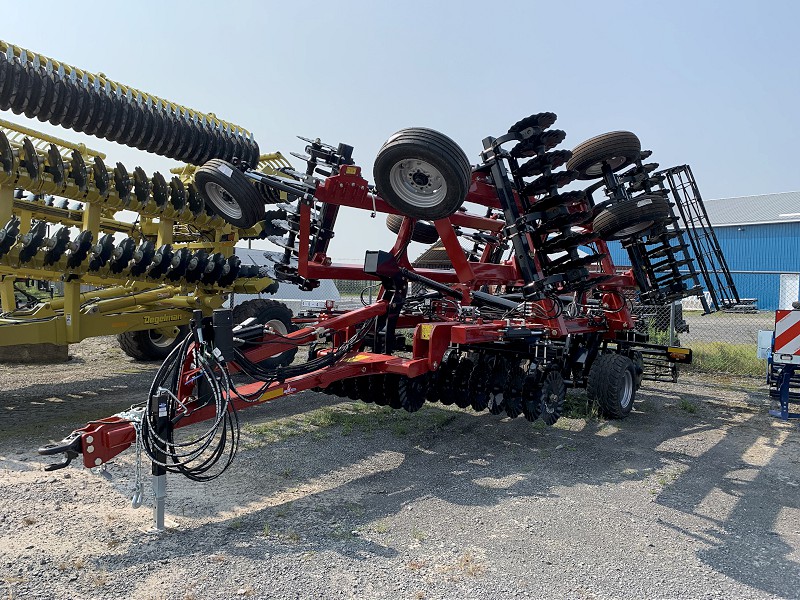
<point x="715" y="85"/>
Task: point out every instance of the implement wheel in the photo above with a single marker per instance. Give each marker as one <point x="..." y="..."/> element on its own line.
<point x="630" y="217"/>
<point x="422" y="173"/>
<point x="228" y="193"/>
<point x="617" y="149"/>
<point x="150" y="344"/>
<point x="424" y="233"/>
<point x="277" y="316"/>
<point x="612" y="384"/>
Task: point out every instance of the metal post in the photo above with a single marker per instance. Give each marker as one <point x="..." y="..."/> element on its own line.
<point x="672" y="324"/>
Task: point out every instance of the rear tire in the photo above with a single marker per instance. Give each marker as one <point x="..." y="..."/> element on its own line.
<point x="618" y="149"/>
<point x="227" y="193"/>
<point x="612" y="384"/>
<point x="423" y="232"/>
<point x="149" y="345"/>
<point x="630" y="217"/>
<point x="276" y="315"/>
<point x="422" y="173"/>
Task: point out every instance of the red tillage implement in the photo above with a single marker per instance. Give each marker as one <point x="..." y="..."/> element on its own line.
<point x="530" y="305"/>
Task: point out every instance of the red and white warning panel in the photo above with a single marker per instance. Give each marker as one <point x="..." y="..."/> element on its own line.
<point x="786" y="348"/>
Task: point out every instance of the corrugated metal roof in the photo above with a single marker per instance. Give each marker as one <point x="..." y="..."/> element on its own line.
<point x="752" y="210"/>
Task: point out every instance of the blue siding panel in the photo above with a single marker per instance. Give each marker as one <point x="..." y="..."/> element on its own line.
<point x="773" y="247"/>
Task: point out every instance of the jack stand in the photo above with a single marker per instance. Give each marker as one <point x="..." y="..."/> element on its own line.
<point x="160" y="491"/>
<point x="784" y="382"/>
<point x="158" y="405"/>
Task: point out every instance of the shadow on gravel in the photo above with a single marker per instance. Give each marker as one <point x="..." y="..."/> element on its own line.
<point x="721" y="474"/>
<point x="40" y="411"/>
<point x="744" y="488"/>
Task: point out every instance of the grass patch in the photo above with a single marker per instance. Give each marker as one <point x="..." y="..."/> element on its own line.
<point x="687" y="406"/>
<point x="349" y="417"/>
<point x="721" y="357"/>
<point x="577" y="405"/>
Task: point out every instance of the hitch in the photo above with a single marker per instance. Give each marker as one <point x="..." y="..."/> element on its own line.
<point x="70" y="446"/>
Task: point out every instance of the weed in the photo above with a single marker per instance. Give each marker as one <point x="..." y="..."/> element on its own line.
<point x="418" y="535"/>
<point x="721" y="357"/>
<point x="266" y="529"/>
<point x="687" y="406"/>
<point x="381" y="527"/>
<point x="339" y="533"/>
<point x="101" y="578"/>
<point x="79" y="563"/>
<point x="415" y="565"/>
<point x="292" y="536"/>
<point x="235" y="524"/>
<point x="468" y="565"/>
<point x="28" y="521"/>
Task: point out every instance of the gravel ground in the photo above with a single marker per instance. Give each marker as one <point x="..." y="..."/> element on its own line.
<point x="696" y="494"/>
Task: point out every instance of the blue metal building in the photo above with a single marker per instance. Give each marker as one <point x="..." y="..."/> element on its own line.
<point x="760" y="238"/>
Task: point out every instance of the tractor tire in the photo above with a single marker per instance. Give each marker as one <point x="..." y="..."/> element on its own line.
<point x="423" y="232"/>
<point x="149" y="345"/>
<point x="612" y="384"/>
<point x="227" y="193"/>
<point x="618" y="149"/>
<point x="272" y="313"/>
<point x="422" y="173"/>
<point x="630" y="217"/>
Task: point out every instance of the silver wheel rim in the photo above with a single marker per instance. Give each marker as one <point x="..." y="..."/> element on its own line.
<point x="160" y="340"/>
<point x="418" y="183"/>
<point x="614" y="162"/>
<point x="277" y="326"/>
<point x="223" y="201"/>
<point x="626" y="391"/>
<point x="634" y="229"/>
<point x="280" y="328"/>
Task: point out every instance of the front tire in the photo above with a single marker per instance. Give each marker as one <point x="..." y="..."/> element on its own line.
<point x="422" y="173"/>
<point x="631" y="217"/>
<point x="228" y="193"/>
<point x="149" y="344"/>
<point x="617" y="149"/>
<point x="612" y="384"/>
<point x="275" y="314"/>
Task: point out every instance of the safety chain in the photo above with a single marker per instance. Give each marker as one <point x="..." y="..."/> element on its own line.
<point x="135" y="416"/>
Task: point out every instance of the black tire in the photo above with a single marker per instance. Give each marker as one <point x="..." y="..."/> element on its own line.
<point x="423" y="232"/>
<point x="618" y="149"/>
<point x="278" y="316"/>
<point x="422" y="173"/>
<point x="612" y="384"/>
<point x="228" y="193"/>
<point x="630" y="217"/>
<point x="149" y="345"/>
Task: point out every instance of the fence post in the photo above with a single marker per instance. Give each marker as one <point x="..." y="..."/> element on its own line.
<point x="672" y="324"/>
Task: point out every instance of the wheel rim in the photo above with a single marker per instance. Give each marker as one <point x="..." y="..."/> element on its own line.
<point x="626" y="391"/>
<point x="614" y="162"/>
<point x="277" y="326"/>
<point x="418" y="183"/>
<point x="160" y="340"/>
<point x="634" y="229"/>
<point x="223" y="201"/>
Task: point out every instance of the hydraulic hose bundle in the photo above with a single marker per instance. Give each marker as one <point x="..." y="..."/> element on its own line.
<point x="205" y="455"/>
<point x="44" y="88"/>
